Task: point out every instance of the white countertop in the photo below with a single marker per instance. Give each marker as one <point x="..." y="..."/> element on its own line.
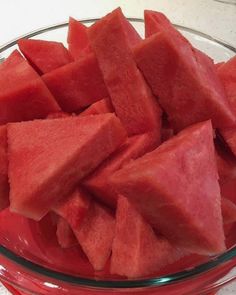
<point x="212" y="17"/>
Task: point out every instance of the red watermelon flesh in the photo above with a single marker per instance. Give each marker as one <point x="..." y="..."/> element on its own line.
<point x="132" y="99"/>
<point x="219" y="64"/>
<point x="74" y="207"/>
<point x="13" y="60"/>
<point x="65" y="235"/>
<point x="95" y="235"/>
<point x="227" y="75"/>
<point x="58" y="115"/>
<point x="37" y="242"/>
<point x="137" y="251"/>
<point x="185" y="81"/>
<point x="175" y="180"/>
<point x="228" y="211"/>
<point x="98" y="182"/>
<point x="102" y="106"/>
<point x="4" y="186"/>
<point x="77" y="38"/>
<point x="23" y="95"/>
<point x="156" y="22"/>
<point x="44" y="56"/>
<point x="47" y="158"/>
<point x="77" y="85"/>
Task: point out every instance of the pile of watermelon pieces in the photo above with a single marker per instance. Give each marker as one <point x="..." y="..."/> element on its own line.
<point x="130" y="143"/>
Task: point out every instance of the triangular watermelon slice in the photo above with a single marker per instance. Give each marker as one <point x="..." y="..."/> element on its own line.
<point x="74" y="207"/>
<point x="78" y="84"/>
<point x="77" y="38"/>
<point x="43" y="55"/>
<point x="155" y="22"/>
<point x="184" y="79"/>
<point x="65" y="235"/>
<point x="227" y="75"/>
<point x="47" y="158"/>
<point x="13" y="60"/>
<point x="23" y="95"/>
<point x="137" y="251"/>
<point x="102" y="106"/>
<point x="92" y="224"/>
<point x="132" y="99"/>
<point x="169" y="184"/>
<point x="98" y="182"/>
<point x="95" y="235"/>
<point x="4" y="186"/>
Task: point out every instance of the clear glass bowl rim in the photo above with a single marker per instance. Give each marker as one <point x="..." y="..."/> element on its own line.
<point x="108" y="284"/>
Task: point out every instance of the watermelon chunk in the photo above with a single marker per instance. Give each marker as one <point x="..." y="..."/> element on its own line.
<point x="23" y="95"/>
<point x="13" y="60"/>
<point x="74" y="207"/>
<point x="137" y="251"/>
<point x="44" y="56"/>
<point x="185" y="81"/>
<point x="77" y="85"/>
<point x="95" y="235"/>
<point x="78" y="41"/>
<point x="65" y="235"/>
<point x="77" y="38"/>
<point x="102" y="106"/>
<point x="93" y="226"/>
<point x="54" y="155"/>
<point x="4" y="186"/>
<point x="228" y="211"/>
<point x="132" y="99"/>
<point x="156" y="22"/>
<point x="227" y="75"/>
<point x="169" y="184"/>
<point x="98" y="182"/>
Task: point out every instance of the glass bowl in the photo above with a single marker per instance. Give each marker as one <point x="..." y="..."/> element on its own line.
<point x="29" y="277"/>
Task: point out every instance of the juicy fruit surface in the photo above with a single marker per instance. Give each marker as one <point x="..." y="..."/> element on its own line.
<point x="55" y="155"/>
<point x="137" y="251"/>
<point x="77" y="84"/>
<point x="132" y="99"/>
<point x="77" y="38"/>
<point x="102" y="106"/>
<point x="98" y="182"/>
<point x="44" y="56"/>
<point x="74" y="208"/>
<point x="92" y="224"/>
<point x="23" y="95"/>
<point x="177" y="74"/>
<point x="95" y="234"/>
<point x="175" y="180"/>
